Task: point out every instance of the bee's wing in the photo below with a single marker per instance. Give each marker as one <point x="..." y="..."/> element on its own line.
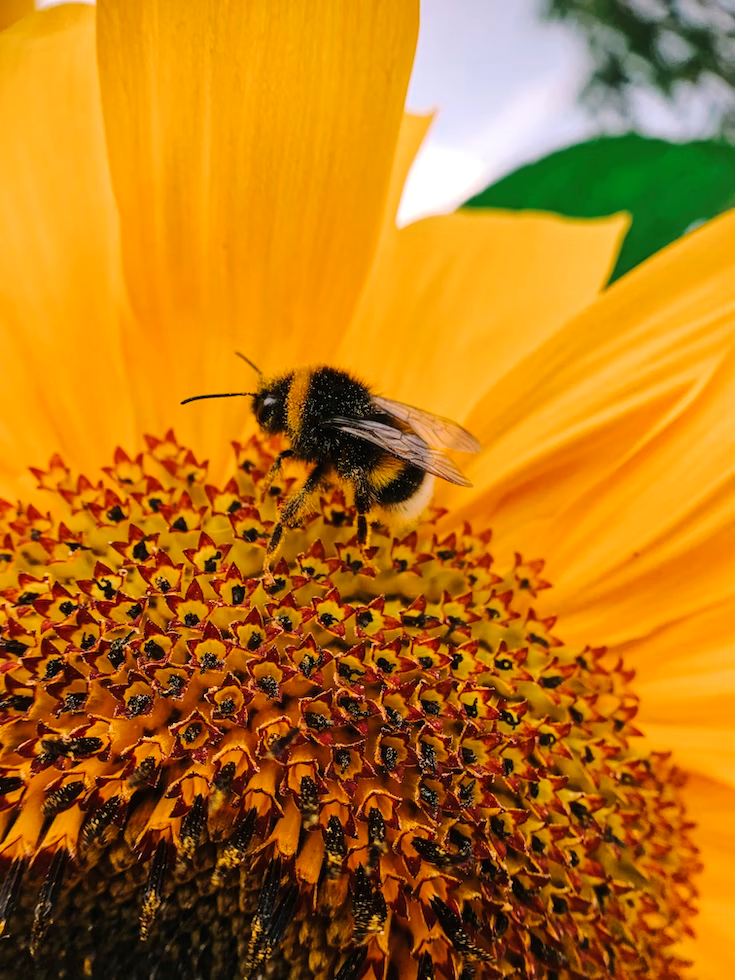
<point x="405" y="445"/>
<point x="434" y="429"/>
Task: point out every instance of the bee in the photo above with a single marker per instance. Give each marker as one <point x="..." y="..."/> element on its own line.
<point x="386" y="452"/>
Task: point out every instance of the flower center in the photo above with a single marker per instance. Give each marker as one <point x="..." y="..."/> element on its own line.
<point x="387" y="767"/>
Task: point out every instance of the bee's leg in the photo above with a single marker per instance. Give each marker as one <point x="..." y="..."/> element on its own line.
<point x="292" y="512"/>
<point x="273" y="472"/>
<point x="363" y="504"/>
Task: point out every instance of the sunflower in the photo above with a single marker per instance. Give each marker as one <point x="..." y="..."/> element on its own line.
<point x="418" y="762"/>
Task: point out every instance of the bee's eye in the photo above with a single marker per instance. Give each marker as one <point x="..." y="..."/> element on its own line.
<point x="265" y="410"/>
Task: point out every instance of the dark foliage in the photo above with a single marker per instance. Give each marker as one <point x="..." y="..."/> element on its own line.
<point x="657" y="44"/>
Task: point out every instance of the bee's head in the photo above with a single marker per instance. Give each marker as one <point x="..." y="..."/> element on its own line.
<point x="269" y="404"/>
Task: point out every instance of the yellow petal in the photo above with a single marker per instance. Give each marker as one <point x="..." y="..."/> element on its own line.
<point x="307" y="348"/>
<point x="609" y="450"/>
<point x="697" y="651"/>
<point x="712" y="806"/>
<point x="703" y="749"/>
<point x="251" y="147"/>
<point x="701" y="698"/>
<point x="64" y="385"/>
<point x="662" y="530"/>
<point x="685" y="678"/>
<point x="712" y="952"/>
<point x="12" y="10"/>
<point x="413" y="133"/>
<point x="459" y="299"/>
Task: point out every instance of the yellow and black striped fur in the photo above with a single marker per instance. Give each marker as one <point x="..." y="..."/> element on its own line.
<point x="308" y="406"/>
<point x="381" y="449"/>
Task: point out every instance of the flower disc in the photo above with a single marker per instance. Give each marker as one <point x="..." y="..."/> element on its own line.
<point x="379" y="765"/>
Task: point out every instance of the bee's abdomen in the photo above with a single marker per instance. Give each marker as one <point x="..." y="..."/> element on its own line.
<point x="407" y="494"/>
<point x="402" y="486"/>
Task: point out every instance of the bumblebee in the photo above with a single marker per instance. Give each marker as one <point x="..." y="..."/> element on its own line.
<point x="386" y="452"/>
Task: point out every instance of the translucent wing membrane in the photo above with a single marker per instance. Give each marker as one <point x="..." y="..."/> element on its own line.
<point x="404" y="445"/>
<point x="434" y="429"/>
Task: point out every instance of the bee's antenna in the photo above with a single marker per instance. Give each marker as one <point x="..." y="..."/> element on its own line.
<point x="248" y="361"/>
<point x="224" y="394"/>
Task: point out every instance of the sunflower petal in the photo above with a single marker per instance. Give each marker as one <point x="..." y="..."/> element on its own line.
<point x="60" y="277"/>
<point x="12" y="10"/>
<point x="251" y="147"/>
<point x="702" y="749"/>
<point x="685" y="677"/>
<point x="697" y="651"/>
<point x="413" y="133"/>
<point x="610" y="450"/>
<point x="450" y="298"/>
<point x="663" y="527"/>
<point x="712" y="952"/>
<point x="712" y="806"/>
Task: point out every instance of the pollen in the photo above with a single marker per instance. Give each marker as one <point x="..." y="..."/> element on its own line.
<point x="379" y="765"/>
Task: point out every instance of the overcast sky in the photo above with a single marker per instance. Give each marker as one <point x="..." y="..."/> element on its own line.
<point x="504" y="84"/>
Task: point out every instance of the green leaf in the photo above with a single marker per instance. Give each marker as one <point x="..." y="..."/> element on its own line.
<point x="667" y="188"/>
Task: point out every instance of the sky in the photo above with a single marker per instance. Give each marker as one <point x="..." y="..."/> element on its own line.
<point x="504" y="85"/>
